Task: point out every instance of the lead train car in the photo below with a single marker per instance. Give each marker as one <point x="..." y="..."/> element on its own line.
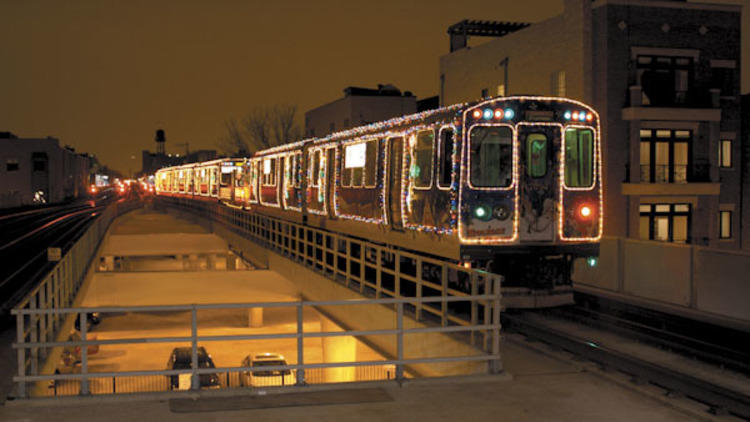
<point x="509" y="184"/>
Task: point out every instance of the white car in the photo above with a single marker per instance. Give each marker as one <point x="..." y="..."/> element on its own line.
<point x="275" y="377"/>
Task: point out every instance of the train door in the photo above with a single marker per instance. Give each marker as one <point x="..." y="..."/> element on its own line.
<point x="539" y="181"/>
<point x="395" y="160"/>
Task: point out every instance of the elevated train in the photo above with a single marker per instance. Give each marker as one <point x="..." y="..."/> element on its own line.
<point x="509" y="184"/>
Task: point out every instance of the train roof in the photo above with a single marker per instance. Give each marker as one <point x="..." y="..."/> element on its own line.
<point x="454" y="110"/>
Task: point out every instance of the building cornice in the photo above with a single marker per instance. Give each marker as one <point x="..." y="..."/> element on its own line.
<point x="669" y="5"/>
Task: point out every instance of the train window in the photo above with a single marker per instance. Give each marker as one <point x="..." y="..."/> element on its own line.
<point x="423" y="154"/>
<point x="536" y="155"/>
<point x="355" y="159"/>
<point x="445" y="159"/>
<point x="316" y="169"/>
<point x="579" y="157"/>
<point x="371" y="164"/>
<point x="491" y="156"/>
<point x="297" y="170"/>
<point x="269" y="172"/>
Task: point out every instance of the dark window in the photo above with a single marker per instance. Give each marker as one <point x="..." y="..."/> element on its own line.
<point x="423" y="157"/>
<point x="40" y="165"/>
<point x="723" y="78"/>
<point x="536" y="155"/>
<point x="664" y="80"/>
<point x="485" y="92"/>
<point x="665" y="222"/>
<point x="445" y="157"/>
<point x="579" y="158"/>
<point x="371" y="164"/>
<point x="491" y="156"/>
<point x="11" y="165"/>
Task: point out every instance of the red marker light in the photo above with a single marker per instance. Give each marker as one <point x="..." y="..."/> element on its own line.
<point x="499" y="113"/>
<point x="476" y="114"/>
<point x="585" y="211"/>
<point x="589" y="117"/>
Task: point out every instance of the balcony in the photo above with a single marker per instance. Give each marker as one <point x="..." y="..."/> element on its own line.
<point x="668" y="180"/>
<point x="678" y="173"/>
<point x="692" y="105"/>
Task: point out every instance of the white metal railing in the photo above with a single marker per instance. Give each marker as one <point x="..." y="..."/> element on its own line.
<point x="82" y="382"/>
<point x="371" y="269"/>
<point x="58" y="288"/>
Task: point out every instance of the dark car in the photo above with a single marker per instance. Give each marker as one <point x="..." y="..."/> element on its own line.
<point x="182" y="357"/>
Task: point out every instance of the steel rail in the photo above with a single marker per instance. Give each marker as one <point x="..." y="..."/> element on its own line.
<point x="719" y="398"/>
<point x="693" y="347"/>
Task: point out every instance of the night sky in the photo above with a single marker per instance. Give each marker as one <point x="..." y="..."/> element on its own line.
<point x="102" y="76"/>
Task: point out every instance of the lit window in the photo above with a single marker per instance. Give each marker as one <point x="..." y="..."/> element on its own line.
<point x="725" y="153"/>
<point x="423" y="157"/>
<point x="725" y="224"/>
<point x="536" y="155"/>
<point x="579" y="158"/>
<point x="491" y="157"/>
<point x="665" y="222"/>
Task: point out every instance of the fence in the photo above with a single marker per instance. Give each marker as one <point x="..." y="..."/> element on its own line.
<point x="59" y="287"/>
<point x="82" y="381"/>
<point x="370" y="269"/>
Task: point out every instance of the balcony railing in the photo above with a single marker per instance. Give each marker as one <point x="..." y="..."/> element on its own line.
<point x="677" y="173"/>
<point x="691" y="98"/>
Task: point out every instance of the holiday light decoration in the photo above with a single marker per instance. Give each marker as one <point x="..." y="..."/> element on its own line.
<point x="461" y="118"/>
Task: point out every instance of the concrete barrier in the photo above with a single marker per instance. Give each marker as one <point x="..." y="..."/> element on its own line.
<point x="708" y="280"/>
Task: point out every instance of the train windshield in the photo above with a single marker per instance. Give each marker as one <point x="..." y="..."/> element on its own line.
<point x="491" y="156"/>
<point x="579" y="157"/>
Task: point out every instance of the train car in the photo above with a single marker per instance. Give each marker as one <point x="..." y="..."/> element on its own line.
<point x="510" y="184"/>
<point x="221" y="179"/>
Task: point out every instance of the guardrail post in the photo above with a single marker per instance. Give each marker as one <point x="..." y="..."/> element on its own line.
<point x="496" y="365"/>
<point x="21" y="339"/>
<point x="443" y="295"/>
<point x="418" y="310"/>
<point x="474" y="307"/>
<point x="400" y="341"/>
<point x="43" y="317"/>
<point x="195" y="383"/>
<point x="34" y="321"/>
<point x="378" y="274"/>
<point x="300" y="345"/>
<point x="84" y="355"/>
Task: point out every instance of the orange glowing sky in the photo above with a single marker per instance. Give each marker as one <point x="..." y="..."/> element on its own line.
<point x="104" y="75"/>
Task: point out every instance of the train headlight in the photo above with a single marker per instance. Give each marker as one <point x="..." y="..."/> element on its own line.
<point x="482" y="212"/>
<point x="568" y="115"/>
<point x="585" y="211"/>
<point x="501" y="212"/>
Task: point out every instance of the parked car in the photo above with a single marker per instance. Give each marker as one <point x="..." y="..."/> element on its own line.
<point x="266" y="378"/>
<point x="92" y="319"/>
<point x="181" y="358"/>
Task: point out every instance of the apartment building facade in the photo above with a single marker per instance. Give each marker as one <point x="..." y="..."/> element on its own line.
<point x="664" y="76"/>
